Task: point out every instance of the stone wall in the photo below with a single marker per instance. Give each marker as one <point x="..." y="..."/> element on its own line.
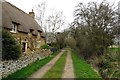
<point x="11" y="66"/>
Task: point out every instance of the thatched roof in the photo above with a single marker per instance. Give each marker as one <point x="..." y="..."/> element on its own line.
<point x="11" y="13"/>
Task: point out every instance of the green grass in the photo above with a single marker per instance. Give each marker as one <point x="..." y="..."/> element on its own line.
<point x="57" y="70"/>
<point x="82" y="69"/>
<point x="25" y="72"/>
<point x="111" y="50"/>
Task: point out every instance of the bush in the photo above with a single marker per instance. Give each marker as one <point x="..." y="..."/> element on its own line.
<point x="45" y="46"/>
<point x="10" y="48"/>
<point x="53" y="49"/>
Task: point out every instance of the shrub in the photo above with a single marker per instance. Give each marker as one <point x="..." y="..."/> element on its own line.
<point x="53" y="49"/>
<point x="45" y="46"/>
<point x="10" y="48"/>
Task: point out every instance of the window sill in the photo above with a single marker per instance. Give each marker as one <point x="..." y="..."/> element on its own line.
<point x="13" y="32"/>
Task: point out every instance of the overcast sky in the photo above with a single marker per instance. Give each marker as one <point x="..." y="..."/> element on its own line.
<point x="67" y="6"/>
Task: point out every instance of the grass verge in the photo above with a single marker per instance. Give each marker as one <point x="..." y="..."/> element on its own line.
<point x="82" y="69"/>
<point x="57" y="70"/>
<point x="25" y="72"/>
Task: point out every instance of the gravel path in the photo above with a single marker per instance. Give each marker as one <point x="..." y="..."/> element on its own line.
<point x="68" y="70"/>
<point x="40" y="73"/>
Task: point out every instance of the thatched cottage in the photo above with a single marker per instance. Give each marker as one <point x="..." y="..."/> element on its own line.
<point x="23" y="27"/>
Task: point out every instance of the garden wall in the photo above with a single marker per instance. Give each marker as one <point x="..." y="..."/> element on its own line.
<point x="11" y="66"/>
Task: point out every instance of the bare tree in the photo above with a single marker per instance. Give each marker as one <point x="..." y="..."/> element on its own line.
<point x="54" y="22"/>
<point x="41" y="8"/>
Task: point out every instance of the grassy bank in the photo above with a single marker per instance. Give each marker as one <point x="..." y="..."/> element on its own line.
<point x="25" y="72"/>
<point x="82" y="69"/>
<point x="57" y="70"/>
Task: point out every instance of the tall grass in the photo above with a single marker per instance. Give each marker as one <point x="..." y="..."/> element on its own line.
<point x="110" y="63"/>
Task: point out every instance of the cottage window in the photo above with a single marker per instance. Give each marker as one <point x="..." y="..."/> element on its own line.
<point x="31" y="31"/>
<point x="14" y="28"/>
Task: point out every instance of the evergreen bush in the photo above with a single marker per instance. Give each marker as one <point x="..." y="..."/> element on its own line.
<point x="53" y="49"/>
<point x="11" y="50"/>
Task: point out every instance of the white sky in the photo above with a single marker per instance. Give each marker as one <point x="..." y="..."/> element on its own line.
<point x="67" y="6"/>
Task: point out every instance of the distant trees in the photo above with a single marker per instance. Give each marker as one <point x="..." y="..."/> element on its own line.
<point x="60" y="39"/>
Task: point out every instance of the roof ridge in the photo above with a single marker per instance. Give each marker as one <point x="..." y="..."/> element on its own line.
<point x="17" y="8"/>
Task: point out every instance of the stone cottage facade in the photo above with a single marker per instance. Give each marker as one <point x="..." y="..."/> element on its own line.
<point x="23" y="27"/>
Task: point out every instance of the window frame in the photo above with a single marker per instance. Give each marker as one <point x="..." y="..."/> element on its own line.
<point x="14" y="27"/>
